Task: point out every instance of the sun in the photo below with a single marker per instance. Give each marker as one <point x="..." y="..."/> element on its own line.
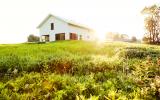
<point x="100" y="35"/>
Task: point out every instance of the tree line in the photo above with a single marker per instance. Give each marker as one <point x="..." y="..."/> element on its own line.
<point x="120" y="37"/>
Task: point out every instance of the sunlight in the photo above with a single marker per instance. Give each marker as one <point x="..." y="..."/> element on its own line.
<point x="100" y="34"/>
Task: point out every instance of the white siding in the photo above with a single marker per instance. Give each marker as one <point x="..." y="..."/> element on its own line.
<point x="59" y="27"/>
<point x="80" y="31"/>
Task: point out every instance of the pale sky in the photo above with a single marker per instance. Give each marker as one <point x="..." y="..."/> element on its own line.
<point x="19" y="18"/>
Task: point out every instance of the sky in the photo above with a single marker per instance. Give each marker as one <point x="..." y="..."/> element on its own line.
<point x="19" y="18"/>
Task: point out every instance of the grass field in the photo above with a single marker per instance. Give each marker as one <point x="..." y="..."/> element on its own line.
<point x="78" y="70"/>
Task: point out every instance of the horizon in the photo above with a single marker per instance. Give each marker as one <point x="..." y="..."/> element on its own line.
<point x="20" y="18"/>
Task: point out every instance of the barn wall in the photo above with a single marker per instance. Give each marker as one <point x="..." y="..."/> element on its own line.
<point x="80" y="31"/>
<point x="59" y="27"/>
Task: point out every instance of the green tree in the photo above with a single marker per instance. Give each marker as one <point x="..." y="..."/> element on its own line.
<point x="133" y="39"/>
<point x="33" y="38"/>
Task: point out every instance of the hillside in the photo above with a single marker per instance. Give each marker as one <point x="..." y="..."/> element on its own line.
<point x="78" y="70"/>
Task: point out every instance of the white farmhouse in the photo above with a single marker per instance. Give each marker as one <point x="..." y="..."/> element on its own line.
<point x="54" y="28"/>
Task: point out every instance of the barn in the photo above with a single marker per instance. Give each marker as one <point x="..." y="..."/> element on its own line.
<point x="54" y="28"/>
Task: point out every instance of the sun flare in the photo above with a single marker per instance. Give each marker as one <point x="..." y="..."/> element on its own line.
<point x="100" y="34"/>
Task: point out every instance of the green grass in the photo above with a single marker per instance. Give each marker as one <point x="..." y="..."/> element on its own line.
<point x="69" y="70"/>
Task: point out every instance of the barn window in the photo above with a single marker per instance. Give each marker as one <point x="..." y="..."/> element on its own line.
<point x="73" y="36"/>
<point x="52" y="26"/>
<point x="45" y="38"/>
<point x="60" y="36"/>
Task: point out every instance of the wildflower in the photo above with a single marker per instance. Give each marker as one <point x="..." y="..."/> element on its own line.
<point x="153" y="86"/>
<point x="26" y="86"/>
<point x="158" y="61"/>
<point x="15" y="71"/>
<point x="46" y="85"/>
<point x="47" y="95"/>
<point x="157" y="81"/>
<point x="9" y="70"/>
<point x="149" y="59"/>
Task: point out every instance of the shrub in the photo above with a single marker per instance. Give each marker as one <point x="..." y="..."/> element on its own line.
<point x="33" y="38"/>
<point x="138" y="52"/>
<point x="133" y="39"/>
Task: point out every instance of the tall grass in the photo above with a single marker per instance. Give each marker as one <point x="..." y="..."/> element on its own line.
<point x="69" y="70"/>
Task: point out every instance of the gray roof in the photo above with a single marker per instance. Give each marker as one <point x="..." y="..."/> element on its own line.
<point x="65" y="20"/>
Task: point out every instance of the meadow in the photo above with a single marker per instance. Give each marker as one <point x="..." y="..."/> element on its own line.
<point x="79" y="70"/>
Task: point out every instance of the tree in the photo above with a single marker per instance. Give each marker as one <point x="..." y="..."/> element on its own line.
<point x="146" y="38"/>
<point x="133" y="39"/>
<point x="116" y="37"/>
<point x="123" y="36"/>
<point x="152" y="23"/>
<point x="33" y="38"/>
<point x="109" y="35"/>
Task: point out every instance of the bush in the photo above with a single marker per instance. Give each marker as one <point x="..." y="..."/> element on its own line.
<point x="138" y="52"/>
<point x="134" y="39"/>
<point x="33" y="38"/>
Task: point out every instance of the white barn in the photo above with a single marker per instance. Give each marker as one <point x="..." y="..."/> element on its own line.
<point x="53" y="28"/>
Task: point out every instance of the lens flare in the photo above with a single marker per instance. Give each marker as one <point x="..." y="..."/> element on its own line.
<point x="100" y="35"/>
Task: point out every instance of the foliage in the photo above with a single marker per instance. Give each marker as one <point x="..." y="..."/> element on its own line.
<point x="117" y="36"/>
<point x="78" y="70"/>
<point x="32" y="38"/>
<point x="146" y="38"/>
<point x="134" y="39"/>
<point x="152" y="23"/>
<point x="139" y="52"/>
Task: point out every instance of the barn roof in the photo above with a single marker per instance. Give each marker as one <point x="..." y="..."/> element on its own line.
<point x="65" y="20"/>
